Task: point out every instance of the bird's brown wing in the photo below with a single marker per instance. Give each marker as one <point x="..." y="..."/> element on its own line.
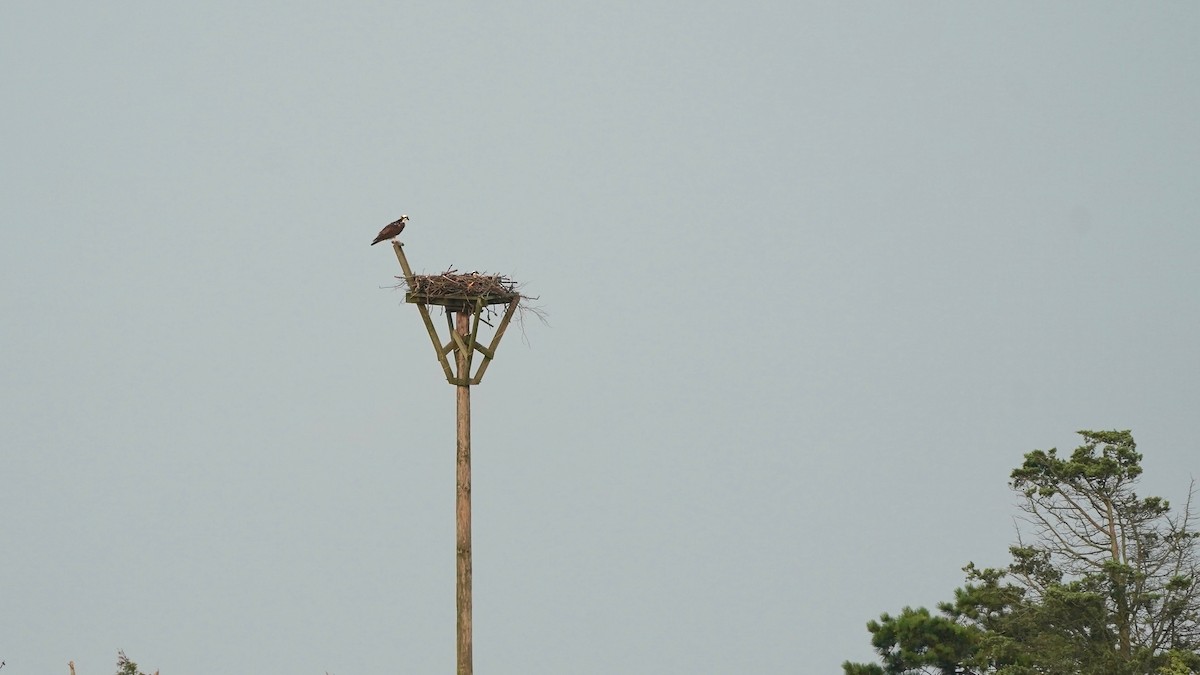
<point x="389" y="231"/>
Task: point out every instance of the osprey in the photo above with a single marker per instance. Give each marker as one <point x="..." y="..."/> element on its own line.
<point x="391" y="231"/>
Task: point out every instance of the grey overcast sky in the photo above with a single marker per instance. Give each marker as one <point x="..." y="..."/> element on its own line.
<point x="818" y="274"/>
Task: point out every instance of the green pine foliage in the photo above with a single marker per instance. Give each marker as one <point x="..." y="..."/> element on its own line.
<point x="1101" y="582"/>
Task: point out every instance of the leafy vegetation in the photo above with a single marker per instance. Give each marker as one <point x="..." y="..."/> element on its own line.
<point x="1101" y="582"/>
<point x="127" y="667"/>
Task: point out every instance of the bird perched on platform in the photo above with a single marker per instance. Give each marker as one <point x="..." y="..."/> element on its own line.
<point x="391" y="230"/>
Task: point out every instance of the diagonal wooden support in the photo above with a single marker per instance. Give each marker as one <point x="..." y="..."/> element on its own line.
<point x="490" y="352"/>
<point x="437" y="345"/>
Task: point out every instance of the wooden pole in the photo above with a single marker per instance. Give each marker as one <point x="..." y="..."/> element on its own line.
<point x="463" y="504"/>
<point x="464" y="342"/>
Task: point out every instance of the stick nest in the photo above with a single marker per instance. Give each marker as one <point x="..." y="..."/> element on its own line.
<point x="457" y="292"/>
<point x="452" y="285"/>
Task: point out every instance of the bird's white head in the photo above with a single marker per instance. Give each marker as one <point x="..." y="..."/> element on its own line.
<point x="403" y="218"/>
